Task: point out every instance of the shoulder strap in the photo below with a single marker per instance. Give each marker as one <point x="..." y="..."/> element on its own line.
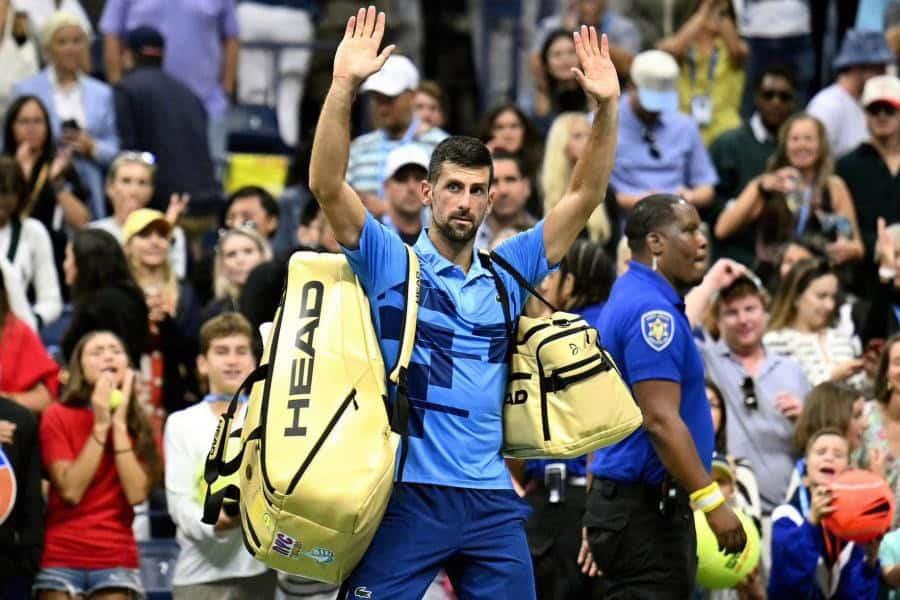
<point x="15" y="230"/>
<point x="493" y="256"/>
<point x="400" y="411"/>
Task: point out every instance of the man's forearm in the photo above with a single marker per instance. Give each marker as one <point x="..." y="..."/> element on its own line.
<point x="230" y="65"/>
<point x="331" y="145"/>
<point x="112" y="56"/>
<point x="676" y="449"/>
<point x="590" y="177"/>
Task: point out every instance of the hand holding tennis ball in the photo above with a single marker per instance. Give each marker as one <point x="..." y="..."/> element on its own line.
<point x="118" y="398"/>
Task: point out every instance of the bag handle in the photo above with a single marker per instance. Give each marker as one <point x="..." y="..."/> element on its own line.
<point x="216" y="466"/>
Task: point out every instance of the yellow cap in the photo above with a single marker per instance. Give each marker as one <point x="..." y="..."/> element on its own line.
<point x="140" y="220"/>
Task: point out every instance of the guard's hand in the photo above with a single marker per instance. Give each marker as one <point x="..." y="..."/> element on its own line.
<point x="728" y="529"/>
<point x="357" y="56"/>
<point x="598" y="77"/>
<point x="585" y="558"/>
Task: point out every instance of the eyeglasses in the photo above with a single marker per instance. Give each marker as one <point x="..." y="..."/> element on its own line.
<point x="749" y="391"/>
<point x="881" y="108"/>
<point x="134" y="156"/>
<point x="769" y="95"/>
<point x="650" y="138"/>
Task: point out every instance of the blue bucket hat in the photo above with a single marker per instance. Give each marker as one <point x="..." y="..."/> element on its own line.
<point x="863" y="48"/>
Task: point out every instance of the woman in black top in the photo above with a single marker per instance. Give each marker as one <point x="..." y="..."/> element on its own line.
<point x="104" y="294"/>
<point x="56" y="196"/>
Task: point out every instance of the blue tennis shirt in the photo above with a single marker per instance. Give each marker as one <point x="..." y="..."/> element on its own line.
<point x="457" y="375"/>
<point x="644" y="327"/>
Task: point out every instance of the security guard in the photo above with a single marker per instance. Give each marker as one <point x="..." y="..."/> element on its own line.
<point x="639" y="524"/>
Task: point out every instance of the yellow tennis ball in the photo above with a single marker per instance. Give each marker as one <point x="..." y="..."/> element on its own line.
<point x="717" y="570"/>
<point x="115" y="399"/>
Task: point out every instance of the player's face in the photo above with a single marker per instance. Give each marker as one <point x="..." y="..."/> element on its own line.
<point x="459" y="201"/>
<point x="684" y="258"/>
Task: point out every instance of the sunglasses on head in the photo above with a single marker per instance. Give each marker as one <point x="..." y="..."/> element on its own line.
<point x="769" y="95"/>
<point x="650" y="139"/>
<point x="143" y="157"/>
<point x="749" y="391"/>
<point x="881" y="108"/>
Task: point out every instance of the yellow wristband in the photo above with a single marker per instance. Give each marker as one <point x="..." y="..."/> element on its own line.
<point x="710" y="502"/>
<point x="704" y="491"/>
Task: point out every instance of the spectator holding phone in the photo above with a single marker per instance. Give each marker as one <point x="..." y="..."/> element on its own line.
<point x="797" y="195"/>
<point x="98" y="449"/>
<point x="81" y="108"/>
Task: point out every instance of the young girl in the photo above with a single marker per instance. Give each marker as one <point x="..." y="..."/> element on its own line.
<point x="807" y="561"/>
<point x="98" y="450"/>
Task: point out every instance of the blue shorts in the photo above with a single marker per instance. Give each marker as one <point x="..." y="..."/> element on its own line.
<point x="477" y="536"/>
<point x="88" y="581"/>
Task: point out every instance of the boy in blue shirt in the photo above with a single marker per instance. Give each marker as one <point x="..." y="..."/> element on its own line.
<point x="455" y="508"/>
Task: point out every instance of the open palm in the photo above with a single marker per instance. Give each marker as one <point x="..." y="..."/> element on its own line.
<point x="357" y="56"/>
<point x="597" y="75"/>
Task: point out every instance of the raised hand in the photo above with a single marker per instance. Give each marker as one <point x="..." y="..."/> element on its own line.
<point x="177" y="205"/>
<point x="357" y="55"/>
<point x="597" y="75"/>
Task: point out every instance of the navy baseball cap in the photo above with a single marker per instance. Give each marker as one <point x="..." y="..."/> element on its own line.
<point x="145" y="40"/>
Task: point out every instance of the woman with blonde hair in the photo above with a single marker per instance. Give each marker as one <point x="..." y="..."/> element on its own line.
<point x="802" y="325"/>
<point x="565" y="143"/>
<point x="237" y="253"/>
<point x="82" y="112"/>
<point x="798" y="196"/>
<point x="98" y="450"/>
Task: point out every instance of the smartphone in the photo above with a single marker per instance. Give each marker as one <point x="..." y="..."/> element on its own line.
<point x="70" y="125"/>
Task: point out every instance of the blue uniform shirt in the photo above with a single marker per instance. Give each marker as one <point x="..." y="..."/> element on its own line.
<point x="644" y="327"/>
<point x="457" y="375"/>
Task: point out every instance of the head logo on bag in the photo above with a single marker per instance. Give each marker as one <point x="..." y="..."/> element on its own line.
<point x="658" y="329"/>
<point x="303" y="363"/>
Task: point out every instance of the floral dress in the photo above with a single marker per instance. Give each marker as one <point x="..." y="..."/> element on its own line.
<point x="875" y="436"/>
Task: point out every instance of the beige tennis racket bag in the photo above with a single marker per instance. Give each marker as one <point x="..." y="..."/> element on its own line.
<point x="317" y="451"/>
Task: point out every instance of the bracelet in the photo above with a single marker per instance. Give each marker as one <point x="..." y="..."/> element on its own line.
<point x="98" y="440"/>
<point x="124" y="450"/>
<point x="708" y="499"/>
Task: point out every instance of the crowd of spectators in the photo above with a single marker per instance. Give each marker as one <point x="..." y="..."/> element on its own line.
<point x="133" y="280"/>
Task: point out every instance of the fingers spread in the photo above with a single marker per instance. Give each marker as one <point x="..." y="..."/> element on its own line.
<point x="360" y="22"/>
<point x="370" y="22"/>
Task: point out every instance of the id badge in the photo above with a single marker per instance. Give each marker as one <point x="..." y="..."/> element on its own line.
<point x="702" y="110"/>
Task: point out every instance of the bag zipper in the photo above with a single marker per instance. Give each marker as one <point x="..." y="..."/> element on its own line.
<point x="545" y="418"/>
<point x="351" y="398"/>
<point x="267" y="388"/>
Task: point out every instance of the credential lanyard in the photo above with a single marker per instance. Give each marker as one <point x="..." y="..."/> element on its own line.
<point x="710" y="72"/>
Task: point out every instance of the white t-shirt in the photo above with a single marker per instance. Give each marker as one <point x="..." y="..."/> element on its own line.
<point x="177" y="250"/>
<point x="35" y="265"/>
<point x="772" y="18"/>
<point x="843" y="116"/>
<point x="206" y="556"/>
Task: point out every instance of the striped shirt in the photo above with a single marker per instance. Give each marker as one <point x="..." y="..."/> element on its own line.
<point x="817" y="353"/>
<point x="368" y="154"/>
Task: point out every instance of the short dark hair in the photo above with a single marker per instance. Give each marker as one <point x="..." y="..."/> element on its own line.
<point x="461" y="150"/>
<point x="225" y="325"/>
<point x="780" y="71"/>
<point x="649" y="214"/>
<point x="269" y="204"/>
<point x="504" y="155"/>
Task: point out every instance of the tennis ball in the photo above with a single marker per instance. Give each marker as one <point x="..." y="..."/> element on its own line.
<point x="115" y="399"/>
<point x="716" y="569"/>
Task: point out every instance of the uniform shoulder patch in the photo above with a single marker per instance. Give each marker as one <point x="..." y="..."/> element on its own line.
<point x="658" y="329"/>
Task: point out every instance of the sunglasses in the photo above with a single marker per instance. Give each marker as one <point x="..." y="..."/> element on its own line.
<point x="881" y="108"/>
<point x="749" y="391"/>
<point x="650" y="139"/>
<point x="769" y="95"/>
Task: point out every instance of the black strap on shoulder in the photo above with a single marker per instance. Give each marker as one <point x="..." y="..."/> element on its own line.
<point x="486" y="262"/>
<point x="15" y="226"/>
<point x="519" y="278"/>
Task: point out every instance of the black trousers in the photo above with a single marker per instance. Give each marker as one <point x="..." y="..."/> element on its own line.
<point x="554" y="538"/>
<point x="643" y="553"/>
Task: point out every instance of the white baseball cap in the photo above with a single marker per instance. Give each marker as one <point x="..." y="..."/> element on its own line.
<point x="883" y="88"/>
<point x="655" y="75"/>
<point x="401" y="156"/>
<point x="396" y="76"/>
